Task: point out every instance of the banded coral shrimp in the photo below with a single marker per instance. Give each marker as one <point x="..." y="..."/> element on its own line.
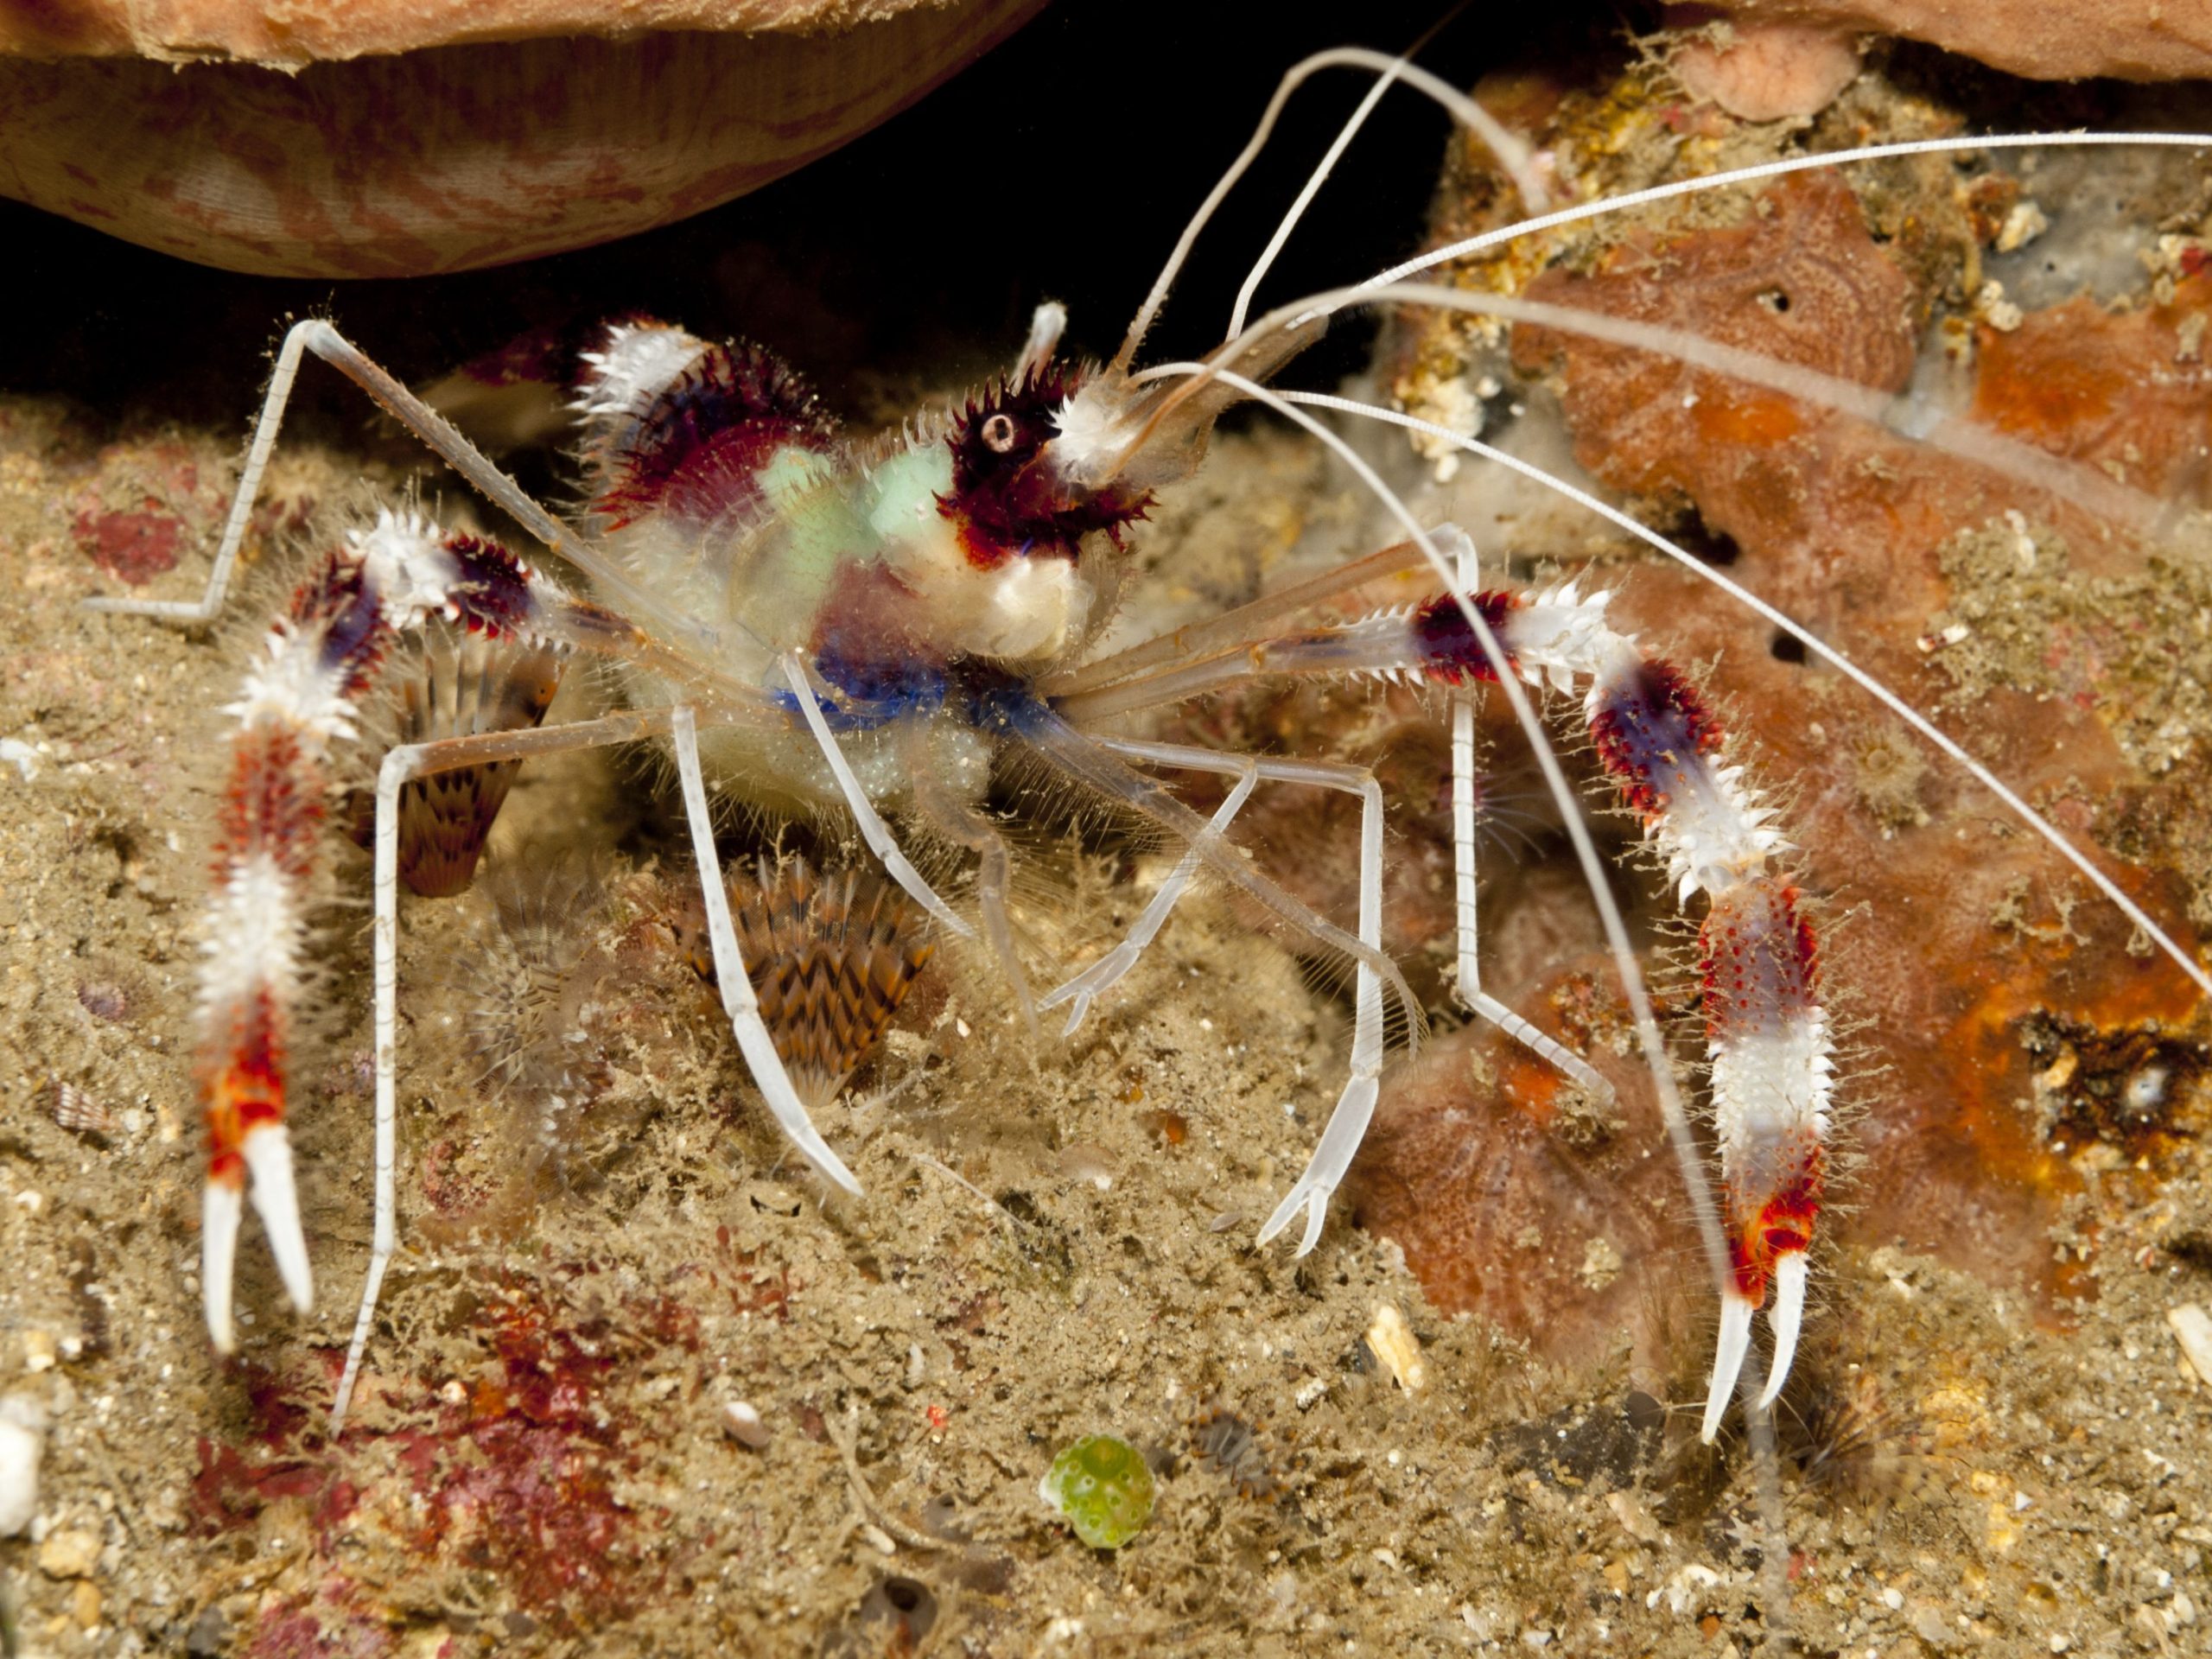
<point x="415" y="923"/>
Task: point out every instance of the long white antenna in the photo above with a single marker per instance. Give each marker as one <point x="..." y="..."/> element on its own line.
<point x="1512" y="155"/>
<point x="1812" y="642"/>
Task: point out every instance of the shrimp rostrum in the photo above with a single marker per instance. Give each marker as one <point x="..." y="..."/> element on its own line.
<point x="868" y="627"/>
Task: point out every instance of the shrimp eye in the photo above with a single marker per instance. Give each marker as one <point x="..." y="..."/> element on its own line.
<point x="998" y="434"/>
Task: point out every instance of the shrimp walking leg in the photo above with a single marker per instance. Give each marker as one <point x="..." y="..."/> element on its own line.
<point x="402" y="766"/>
<point x="1348" y="1122"/>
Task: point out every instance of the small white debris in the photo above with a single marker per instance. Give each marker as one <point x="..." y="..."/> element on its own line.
<point x="1686" y="1589"/>
<point x="1309" y="1391"/>
<point x="21" y="756"/>
<point x="2022" y="226"/>
<point x="916" y="1366"/>
<point x="741" y="1422"/>
<point x="39" y="1351"/>
<point x="455" y="1393"/>
<point x="1455" y="406"/>
<point x="877" y="1539"/>
<point x="1893" y="1598"/>
<point x="1950" y="636"/>
<point x="1996" y="310"/>
<point x="1601" y="1263"/>
<point x="2193" y="1330"/>
<point x="23" y="1443"/>
<point x="1086" y="1162"/>
<point x="2146" y="1089"/>
<point x="1396" y="1346"/>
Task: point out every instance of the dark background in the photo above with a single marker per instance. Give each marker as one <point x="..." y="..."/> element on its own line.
<point x="1061" y="166"/>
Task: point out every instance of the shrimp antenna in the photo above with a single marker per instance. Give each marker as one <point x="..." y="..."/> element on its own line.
<point x="1972" y="442"/>
<point x="1316" y="308"/>
<point x="1827" y="653"/>
<point x="1512" y="155"/>
<point x="1327" y="164"/>
<point x="1634" y="199"/>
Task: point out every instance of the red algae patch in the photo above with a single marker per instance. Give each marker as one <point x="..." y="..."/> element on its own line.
<point x="144" y="501"/>
<point x="517" y="1469"/>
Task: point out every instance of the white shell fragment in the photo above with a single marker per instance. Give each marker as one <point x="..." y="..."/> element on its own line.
<point x="1395" y="1345"/>
<point x="23" y="1443"/>
<point x="741" y="1422"/>
<point x="2193" y="1330"/>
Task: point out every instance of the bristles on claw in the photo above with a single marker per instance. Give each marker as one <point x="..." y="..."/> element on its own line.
<point x="1768" y="1038"/>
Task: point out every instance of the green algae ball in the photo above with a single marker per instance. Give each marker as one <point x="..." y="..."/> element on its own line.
<point x="1101" y="1484"/>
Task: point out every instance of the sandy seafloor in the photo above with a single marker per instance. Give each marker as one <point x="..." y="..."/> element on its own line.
<point x="1057" y="1242"/>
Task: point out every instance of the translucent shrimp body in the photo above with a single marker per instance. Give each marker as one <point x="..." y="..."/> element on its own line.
<point x="889" y="566"/>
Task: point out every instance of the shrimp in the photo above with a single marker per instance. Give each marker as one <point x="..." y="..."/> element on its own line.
<point x="870" y="627"/>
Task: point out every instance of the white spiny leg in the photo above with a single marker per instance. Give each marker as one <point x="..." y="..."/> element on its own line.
<point x="400" y="766"/>
<point x="1348" y="1122"/>
<point x="1108" y="970"/>
<point x="614" y="582"/>
<point x="739" y="1003"/>
<point x="1467" y="576"/>
<point x="1356" y="1105"/>
<point x="1790" y="1270"/>
<point x="1735" y="1341"/>
<point x="873" y="828"/>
